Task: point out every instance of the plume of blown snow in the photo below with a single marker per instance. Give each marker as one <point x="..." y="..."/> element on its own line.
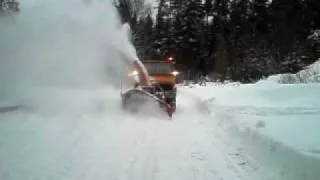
<point x="52" y="48"/>
<point x="123" y="44"/>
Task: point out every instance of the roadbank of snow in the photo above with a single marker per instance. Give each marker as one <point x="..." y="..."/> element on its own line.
<point x="284" y="107"/>
<point x="286" y="113"/>
<point x="276" y="124"/>
<point x="311" y="74"/>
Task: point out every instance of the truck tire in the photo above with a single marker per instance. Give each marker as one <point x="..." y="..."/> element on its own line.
<point x="172" y="102"/>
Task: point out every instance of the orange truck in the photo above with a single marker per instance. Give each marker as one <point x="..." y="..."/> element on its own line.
<point x="154" y="79"/>
<point x="162" y="75"/>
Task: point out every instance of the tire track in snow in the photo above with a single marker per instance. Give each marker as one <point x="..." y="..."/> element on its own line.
<point x="225" y="148"/>
<point x="88" y="146"/>
<point x="110" y="145"/>
<point x="142" y="164"/>
<point x="258" y="154"/>
<point x="207" y="160"/>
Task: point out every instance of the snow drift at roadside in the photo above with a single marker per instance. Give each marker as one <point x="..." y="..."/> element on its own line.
<point x="285" y="113"/>
<point x="311" y="74"/>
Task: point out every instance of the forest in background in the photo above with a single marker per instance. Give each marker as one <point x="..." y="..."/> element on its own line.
<point x="240" y="40"/>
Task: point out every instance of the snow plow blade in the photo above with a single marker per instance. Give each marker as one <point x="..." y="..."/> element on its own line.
<point x="138" y="100"/>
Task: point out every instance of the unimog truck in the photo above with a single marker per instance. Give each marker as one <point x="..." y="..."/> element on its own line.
<point x="162" y="75"/>
<point x="152" y="80"/>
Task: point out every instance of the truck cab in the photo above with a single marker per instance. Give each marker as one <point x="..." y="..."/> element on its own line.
<point x="162" y="76"/>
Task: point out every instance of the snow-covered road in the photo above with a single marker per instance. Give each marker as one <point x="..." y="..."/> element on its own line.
<point x="98" y="141"/>
<point x="104" y="143"/>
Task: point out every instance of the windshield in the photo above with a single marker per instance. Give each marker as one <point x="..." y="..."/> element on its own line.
<point x="154" y="68"/>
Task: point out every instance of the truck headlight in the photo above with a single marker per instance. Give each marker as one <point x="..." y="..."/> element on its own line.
<point x="133" y="73"/>
<point x="175" y="73"/>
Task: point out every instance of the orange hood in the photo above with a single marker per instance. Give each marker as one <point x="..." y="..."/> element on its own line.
<point x="163" y="79"/>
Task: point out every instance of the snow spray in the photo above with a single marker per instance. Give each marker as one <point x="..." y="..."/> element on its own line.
<point x="53" y="47"/>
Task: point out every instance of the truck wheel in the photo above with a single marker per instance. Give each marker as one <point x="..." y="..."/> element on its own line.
<point x="172" y="102"/>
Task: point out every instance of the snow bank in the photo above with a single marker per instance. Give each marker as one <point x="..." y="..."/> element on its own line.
<point x="286" y="113"/>
<point x="284" y="108"/>
<point x="311" y="74"/>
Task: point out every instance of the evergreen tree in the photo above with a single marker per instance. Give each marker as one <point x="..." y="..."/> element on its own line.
<point x="289" y="29"/>
<point x="220" y="29"/>
<point x="221" y="14"/>
<point x="208" y="34"/>
<point x="313" y="46"/>
<point x="192" y="31"/>
<point x="162" y="30"/>
<point x="313" y="7"/>
<point x="260" y="17"/>
<point x="208" y="10"/>
<point x="238" y="39"/>
<point x="147" y="35"/>
<point x="177" y="29"/>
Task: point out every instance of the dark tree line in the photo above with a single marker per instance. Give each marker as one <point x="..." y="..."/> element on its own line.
<point x="240" y="39"/>
<point x="244" y="40"/>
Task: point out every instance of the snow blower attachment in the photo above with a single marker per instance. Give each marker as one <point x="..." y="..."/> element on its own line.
<point x="152" y="83"/>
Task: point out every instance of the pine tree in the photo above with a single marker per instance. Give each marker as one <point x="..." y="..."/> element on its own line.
<point x="289" y="29"/>
<point x="260" y="17"/>
<point x="208" y="9"/>
<point x="208" y="34"/>
<point x="238" y="39"/>
<point x="313" y="39"/>
<point x="162" y="30"/>
<point x="221" y="13"/>
<point x="176" y="29"/>
<point x="313" y="7"/>
<point x="220" y="29"/>
<point x="147" y="36"/>
<point x="192" y="30"/>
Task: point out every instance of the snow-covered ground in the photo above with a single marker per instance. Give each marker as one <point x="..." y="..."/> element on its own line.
<point x="287" y="113"/>
<point x="89" y="137"/>
<point x="273" y="118"/>
<point x="60" y="118"/>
